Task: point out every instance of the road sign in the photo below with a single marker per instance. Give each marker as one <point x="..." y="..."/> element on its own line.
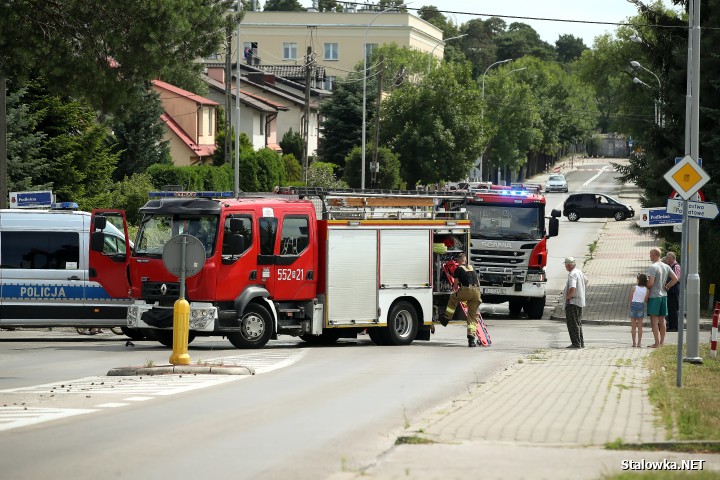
<point x="687" y="177"/>
<point x="676" y="195"/>
<point x="679" y="159"/>
<point x="658" y="217"/>
<point x="191" y="263"/>
<point x="706" y="210"/>
<point x="38" y="199"/>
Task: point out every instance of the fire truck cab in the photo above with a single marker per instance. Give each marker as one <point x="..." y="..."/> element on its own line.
<point x="319" y="265"/>
<point x="509" y="246"/>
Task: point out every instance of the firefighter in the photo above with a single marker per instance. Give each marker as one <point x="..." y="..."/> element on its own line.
<point x="465" y="277"/>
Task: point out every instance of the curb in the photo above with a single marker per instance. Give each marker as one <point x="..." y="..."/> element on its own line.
<point x="176" y="369"/>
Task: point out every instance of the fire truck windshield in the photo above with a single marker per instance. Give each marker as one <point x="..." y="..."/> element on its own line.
<point x="511" y="223"/>
<point x="156" y="230"/>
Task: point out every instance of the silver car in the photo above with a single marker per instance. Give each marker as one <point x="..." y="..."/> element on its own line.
<point x="556" y="183"/>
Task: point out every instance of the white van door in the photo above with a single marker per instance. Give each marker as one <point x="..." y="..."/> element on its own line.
<point x="42" y="279"/>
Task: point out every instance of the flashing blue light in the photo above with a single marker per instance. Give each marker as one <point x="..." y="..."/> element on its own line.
<point x="64" y="206"/>
<point x="171" y="194"/>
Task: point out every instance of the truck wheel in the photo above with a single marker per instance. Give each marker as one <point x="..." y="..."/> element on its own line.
<point x="255" y="328"/>
<point x="573" y="216"/>
<point x="165" y="337"/>
<point x="515" y="308"/>
<point x="402" y="324"/>
<point x="133" y="333"/>
<point x="535" y="308"/>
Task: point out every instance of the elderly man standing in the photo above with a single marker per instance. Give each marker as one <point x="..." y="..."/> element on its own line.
<point x="673" y="294"/>
<point x="660" y="279"/>
<point x="574" y="298"/>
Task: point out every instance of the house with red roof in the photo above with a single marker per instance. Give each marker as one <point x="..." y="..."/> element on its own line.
<point x="190" y="124"/>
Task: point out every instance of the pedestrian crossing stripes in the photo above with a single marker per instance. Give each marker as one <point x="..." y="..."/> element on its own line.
<point x="133" y="389"/>
<point x="16" y="416"/>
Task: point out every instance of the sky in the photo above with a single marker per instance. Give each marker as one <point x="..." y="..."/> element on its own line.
<point x="616" y="11"/>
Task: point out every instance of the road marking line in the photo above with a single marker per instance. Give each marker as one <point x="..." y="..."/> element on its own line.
<point x="138" y="399"/>
<point x="16" y="417"/>
<point x="112" y="405"/>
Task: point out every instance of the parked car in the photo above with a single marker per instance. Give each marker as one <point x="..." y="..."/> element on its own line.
<point x="556" y="183"/>
<point x="595" y="205"/>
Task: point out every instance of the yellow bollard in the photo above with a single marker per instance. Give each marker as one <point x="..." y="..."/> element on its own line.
<point x="181" y="329"/>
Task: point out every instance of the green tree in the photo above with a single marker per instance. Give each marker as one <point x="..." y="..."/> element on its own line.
<point x="292" y="142"/>
<point x="293" y="169"/>
<point x="271" y="169"/>
<point x="283" y="6"/>
<point x="519" y="40"/>
<point x="321" y="174"/>
<point x="568" y="48"/>
<point x="130" y="194"/>
<point x="480" y="43"/>
<point x="388" y="177"/>
<point x="139" y="137"/>
<point x="435" y="126"/>
<point x="329" y="6"/>
<point x="26" y="162"/>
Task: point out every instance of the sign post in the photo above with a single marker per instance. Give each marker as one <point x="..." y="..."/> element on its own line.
<point x="183" y="256"/>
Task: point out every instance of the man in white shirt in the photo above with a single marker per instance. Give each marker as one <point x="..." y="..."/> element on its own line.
<point x="574" y="299"/>
<point x="660" y="279"/>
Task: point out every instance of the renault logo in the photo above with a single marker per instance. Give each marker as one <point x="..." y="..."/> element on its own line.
<point x="163" y="289"/>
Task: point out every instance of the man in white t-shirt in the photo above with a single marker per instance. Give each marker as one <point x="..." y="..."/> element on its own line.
<point x="574" y="299"/>
<point x="660" y="279"/>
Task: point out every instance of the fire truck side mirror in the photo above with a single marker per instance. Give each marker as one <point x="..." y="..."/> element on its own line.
<point x="555" y="213"/>
<point x="97" y="241"/>
<point x="235" y="245"/>
<point x="553" y="227"/>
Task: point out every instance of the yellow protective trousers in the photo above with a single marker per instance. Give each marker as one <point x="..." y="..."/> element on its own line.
<point x="471" y="295"/>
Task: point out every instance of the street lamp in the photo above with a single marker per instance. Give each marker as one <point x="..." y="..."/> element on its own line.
<point x="362" y="169"/>
<point x="482" y="111"/>
<point x="658" y="111"/>
<point x="442" y="43"/>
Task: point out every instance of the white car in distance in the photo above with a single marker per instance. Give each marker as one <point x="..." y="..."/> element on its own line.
<point x="556" y="183"/>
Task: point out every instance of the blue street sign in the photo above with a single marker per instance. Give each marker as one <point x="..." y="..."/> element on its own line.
<point x="658" y="217"/>
<point x="31" y="199"/>
<point x="677" y="159"/>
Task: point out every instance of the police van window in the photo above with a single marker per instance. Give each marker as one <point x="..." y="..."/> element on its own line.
<point x="40" y="250"/>
<point x="294" y="237"/>
<point x="268" y="230"/>
<point x="245" y="231"/>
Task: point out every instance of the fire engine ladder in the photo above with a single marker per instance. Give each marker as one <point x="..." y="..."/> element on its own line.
<point x="354" y="204"/>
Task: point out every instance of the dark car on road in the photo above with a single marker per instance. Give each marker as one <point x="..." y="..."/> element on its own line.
<point x="595" y="205"/>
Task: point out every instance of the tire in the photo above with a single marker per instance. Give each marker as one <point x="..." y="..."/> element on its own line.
<point x="378" y="335"/>
<point x="133" y="333"/>
<point x="165" y="337"/>
<point x="328" y="337"/>
<point x="402" y="324"/>
<point x="515" y="308"/>
<point x="117" y="330"/>
<point x="573" y="216"/>
<point x="619" y="216"/>
<point x="535" y="308"/>
<point x="256" y="328"/>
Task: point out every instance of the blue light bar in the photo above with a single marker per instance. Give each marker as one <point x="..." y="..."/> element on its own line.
<point x="171" y="194"/>
<point x="64" y="206"/>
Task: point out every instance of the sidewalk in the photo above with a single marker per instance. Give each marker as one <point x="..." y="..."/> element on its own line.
<point x="551" y="414"/>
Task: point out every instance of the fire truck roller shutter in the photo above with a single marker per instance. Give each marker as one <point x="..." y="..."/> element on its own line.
<point x="352" y="276"/>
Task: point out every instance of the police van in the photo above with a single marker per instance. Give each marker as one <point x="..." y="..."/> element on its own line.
<point x="49" y="277"/>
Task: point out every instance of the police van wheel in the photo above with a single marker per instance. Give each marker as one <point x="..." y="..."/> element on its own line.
<point x="402" y="324"/>
<point x="165" y="337"/>
<point x="255" y="328"/>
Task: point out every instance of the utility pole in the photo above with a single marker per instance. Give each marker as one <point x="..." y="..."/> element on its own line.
<point x="375" y="166"/>
<point x="3" y="144"/>
<point x="306" y="116"/>
<point x="237" y="105"/>
<point x="228" y="98"/>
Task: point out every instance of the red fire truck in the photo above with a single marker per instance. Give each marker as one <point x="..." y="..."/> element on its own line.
<point x="319" y="264"/>
<point x="509" y="246"/>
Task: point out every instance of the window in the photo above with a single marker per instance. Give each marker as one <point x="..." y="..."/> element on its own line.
<point x="289" y="51"/>
<point x="113" y="245"/>
<point x="268" y="229"/>
<point x="245" y="232"/>
<point x="329" y="82"/>
<point x="331" y="51"/>
<point x="41" y="250"/>
<point x="294" y="235"/>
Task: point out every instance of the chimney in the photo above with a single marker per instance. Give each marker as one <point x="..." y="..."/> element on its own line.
<point x="216" y="73"/>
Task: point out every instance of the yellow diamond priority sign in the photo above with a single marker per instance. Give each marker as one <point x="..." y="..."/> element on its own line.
<point x="687" y="177"/>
